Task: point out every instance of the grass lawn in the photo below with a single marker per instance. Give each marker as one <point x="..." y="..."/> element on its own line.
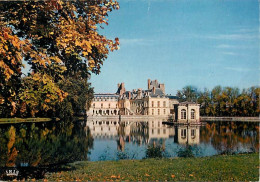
<point x="244" y="167"/>
<point x="22" y="120"/>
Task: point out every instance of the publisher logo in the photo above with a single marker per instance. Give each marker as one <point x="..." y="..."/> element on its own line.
<point x="11" y="172"/>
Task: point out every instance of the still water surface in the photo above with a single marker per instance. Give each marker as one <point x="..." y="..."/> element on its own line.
<point x="130" y="139"/>
<point x="49" y="144"/>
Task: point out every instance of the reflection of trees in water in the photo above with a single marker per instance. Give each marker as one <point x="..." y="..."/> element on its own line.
<point x="43" y="144"/>
<point x="230" y="137"/>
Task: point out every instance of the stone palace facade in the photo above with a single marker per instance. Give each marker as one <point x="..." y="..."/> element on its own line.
<point x="151" y="102"/>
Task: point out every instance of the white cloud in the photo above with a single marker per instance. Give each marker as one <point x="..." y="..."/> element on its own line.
<point x="136" y="41"/>
<point x="238" y="69"/>
<point x="225" y="46"/>
<point x="233" y="36"/>
<point x="247" y="30"/>
<point x="230" y="53"/>
<point x="228" y="46"/>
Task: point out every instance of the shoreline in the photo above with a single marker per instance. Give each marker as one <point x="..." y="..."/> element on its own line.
<point x="202" y="118"/>
<point x="24" y="120"/>
<point x="131" y="117"/>
<point x="236" y="119"/>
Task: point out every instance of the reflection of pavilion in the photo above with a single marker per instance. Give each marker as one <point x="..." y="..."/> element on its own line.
<point x="187" y="134"/>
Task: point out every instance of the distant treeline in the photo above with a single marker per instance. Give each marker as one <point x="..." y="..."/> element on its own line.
<point x="223" y="101"/>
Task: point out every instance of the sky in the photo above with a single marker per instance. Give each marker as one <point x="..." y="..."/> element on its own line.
<point x="203" y="43"/>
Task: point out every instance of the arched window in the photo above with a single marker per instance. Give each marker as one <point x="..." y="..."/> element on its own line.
<point x="183" y="114"/>
<point x="193" y="133"/>
<point x="192" y="114"/>
<point x="183" y="133"/>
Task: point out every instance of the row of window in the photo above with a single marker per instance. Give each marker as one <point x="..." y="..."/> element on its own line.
<point x="109" y="105"/>
<point x="108" y="112"/>
<point x="184" y="133"/>
<point x="159" y="111"/>
<point x="184" y="114"/>
<point x="159" y="104"/>
<point x="159" y="131"/>
<point x="105" y="99"/>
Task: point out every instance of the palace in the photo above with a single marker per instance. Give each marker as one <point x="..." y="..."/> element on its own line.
<point x="153" y="102"/>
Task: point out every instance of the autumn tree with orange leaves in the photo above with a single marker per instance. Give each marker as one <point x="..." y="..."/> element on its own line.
<point x="58" y="40"/>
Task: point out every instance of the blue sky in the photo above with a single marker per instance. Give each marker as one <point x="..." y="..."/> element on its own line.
<point x="203" y="43"/>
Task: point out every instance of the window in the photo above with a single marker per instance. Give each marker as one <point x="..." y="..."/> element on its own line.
<point x="159" y="124"/>
<point x="152" y="104"/>
<point x="183" y="114"/>
<point x="164" y="131"/>
<point x="192" y="114"/>
<point x="94" y="105"/>
<point x="183" y="133"/>
<point x="158" y="104"/>
<point x="158" y="111"/>
<point x="158" y="131"/>
<point x="164" y="103"/>
<point x="193" y="133"/>
<point x="152" y="112"/>
<point x="116" y="105"/>
<point x="109" y="105"/>
<point x="101" y="105"/>
<point x="164" y="111"/>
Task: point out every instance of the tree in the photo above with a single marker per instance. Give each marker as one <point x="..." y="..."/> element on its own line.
<point x="78" y="100"/>
<point x="58" y="39"/>
<point x="204" y="101"/>
<point x="188" y="93"/>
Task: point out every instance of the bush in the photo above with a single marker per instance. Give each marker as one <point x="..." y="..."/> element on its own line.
<point x="185" y="152"/>
<point x="154" y="152"/>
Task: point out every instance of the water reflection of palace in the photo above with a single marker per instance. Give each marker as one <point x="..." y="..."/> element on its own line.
<point x="143" y="132"/>
<point x="103" y="129"/>
<point x="188" y="134"/>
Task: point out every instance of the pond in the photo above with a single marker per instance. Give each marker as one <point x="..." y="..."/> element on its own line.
<point x="35" y="148"/>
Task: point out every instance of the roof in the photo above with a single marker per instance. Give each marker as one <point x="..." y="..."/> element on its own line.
<point x="171" y="97"/>
<point x="188" y="103"/>
<point x="106" y="95"/>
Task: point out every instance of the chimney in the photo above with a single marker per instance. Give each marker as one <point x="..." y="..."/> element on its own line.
<point x="162" y="87"/>
<point x="129" y="95"/>
<point x="149" y="82"/>
<point x="122" y="89"/>
<point x="139" y="93"/>
<point x="153" y="90"/>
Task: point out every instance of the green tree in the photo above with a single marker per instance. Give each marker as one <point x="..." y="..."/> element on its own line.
<point x="204" y="101"/>
<point x="80" y="94"/>
<point x="188" y="93"/>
